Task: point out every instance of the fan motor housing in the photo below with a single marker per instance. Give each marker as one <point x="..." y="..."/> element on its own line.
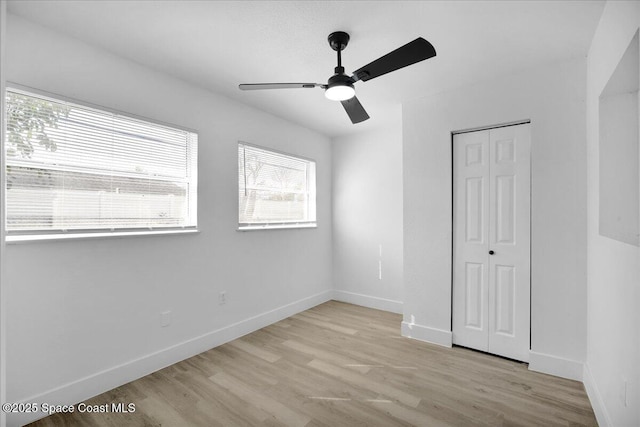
<point x="339" y="79"/>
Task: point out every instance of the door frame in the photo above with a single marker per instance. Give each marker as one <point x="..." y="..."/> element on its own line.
<point x="477" y="129"/>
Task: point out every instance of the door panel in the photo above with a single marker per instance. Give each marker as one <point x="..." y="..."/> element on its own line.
<point x="474" y="226"/>
<point x="474" y="154"/>
<point x="504" y="206"/>
<point x="491" y="213"/>
<point x="509" y="283"/>
<point x="471" y="267"/>
<point x="505" y="304"/>
<point x="474" y="297"/>
<point x="504" y="151"/>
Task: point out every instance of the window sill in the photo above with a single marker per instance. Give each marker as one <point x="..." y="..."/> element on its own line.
<point x="10" y="239"/>
<point x="275" y="227"/>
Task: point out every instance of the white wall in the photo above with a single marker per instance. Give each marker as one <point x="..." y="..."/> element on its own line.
<point x="3" y="16"/>
<point x="367" y="218"/>
<point x="613" y="332"/>
<point x="552" y="97"/>
<point x="85" y="315"/>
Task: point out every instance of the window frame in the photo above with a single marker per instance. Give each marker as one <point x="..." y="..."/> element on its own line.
<point x="280" y="225"/>
<point x="20" y="236"/>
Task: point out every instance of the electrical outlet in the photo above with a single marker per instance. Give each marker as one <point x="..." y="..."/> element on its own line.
<point x="222" y="297"/>
<point x="165" y="318"/>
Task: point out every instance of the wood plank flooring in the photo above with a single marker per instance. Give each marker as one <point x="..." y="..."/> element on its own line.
<point x="341" y="365"/>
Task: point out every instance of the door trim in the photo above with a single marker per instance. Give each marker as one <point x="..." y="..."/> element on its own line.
<point x="476" y="129"/>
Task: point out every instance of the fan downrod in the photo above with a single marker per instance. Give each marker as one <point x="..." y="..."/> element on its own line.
<point x="338" y="40"/>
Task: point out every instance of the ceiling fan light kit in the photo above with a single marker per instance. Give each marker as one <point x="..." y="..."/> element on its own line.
<point x="340" y="86"/>
<point x="340" y="92"/>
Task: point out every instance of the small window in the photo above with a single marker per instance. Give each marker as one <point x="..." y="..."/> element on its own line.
<point x="276" y="190"/>
<point x="73" y="169"/>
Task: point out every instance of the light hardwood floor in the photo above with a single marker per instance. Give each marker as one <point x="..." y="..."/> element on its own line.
<point x="341" y="365"/>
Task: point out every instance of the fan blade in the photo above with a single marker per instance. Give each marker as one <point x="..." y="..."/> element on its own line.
<point x="412" y="52"/>
<point x="355" y="110"/>
<point x="260" y="86"/>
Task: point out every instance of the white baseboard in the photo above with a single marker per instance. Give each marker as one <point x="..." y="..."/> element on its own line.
<point x="425" y="333"/>
<point x="85" y="388"/>
<point x="368" y="301"/>
<point x="554" y="365"/>
<point x="602" y="415"/>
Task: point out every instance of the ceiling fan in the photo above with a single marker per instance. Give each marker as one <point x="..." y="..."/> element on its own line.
<point x="340" y="86"/>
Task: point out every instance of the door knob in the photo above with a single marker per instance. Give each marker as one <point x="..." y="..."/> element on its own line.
<point x="491" y="252"/>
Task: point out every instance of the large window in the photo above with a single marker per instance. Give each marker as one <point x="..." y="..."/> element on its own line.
<point x="72" y="169"/>
<point x="275" y="190"/>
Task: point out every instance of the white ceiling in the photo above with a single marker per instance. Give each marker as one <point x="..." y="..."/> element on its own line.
<point x="219" y="44"/>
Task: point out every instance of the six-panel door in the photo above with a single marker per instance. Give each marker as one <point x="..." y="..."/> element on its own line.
<point x="491" y="265"/>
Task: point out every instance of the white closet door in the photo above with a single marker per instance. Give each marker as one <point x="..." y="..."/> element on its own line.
<point x="471" y="240"/>
<point x="492" y="266"/>
<point x="509" y="239"/>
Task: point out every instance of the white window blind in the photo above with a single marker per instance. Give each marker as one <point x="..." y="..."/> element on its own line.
<point x="72" y="168"/>
<point x="275" y="189"/>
